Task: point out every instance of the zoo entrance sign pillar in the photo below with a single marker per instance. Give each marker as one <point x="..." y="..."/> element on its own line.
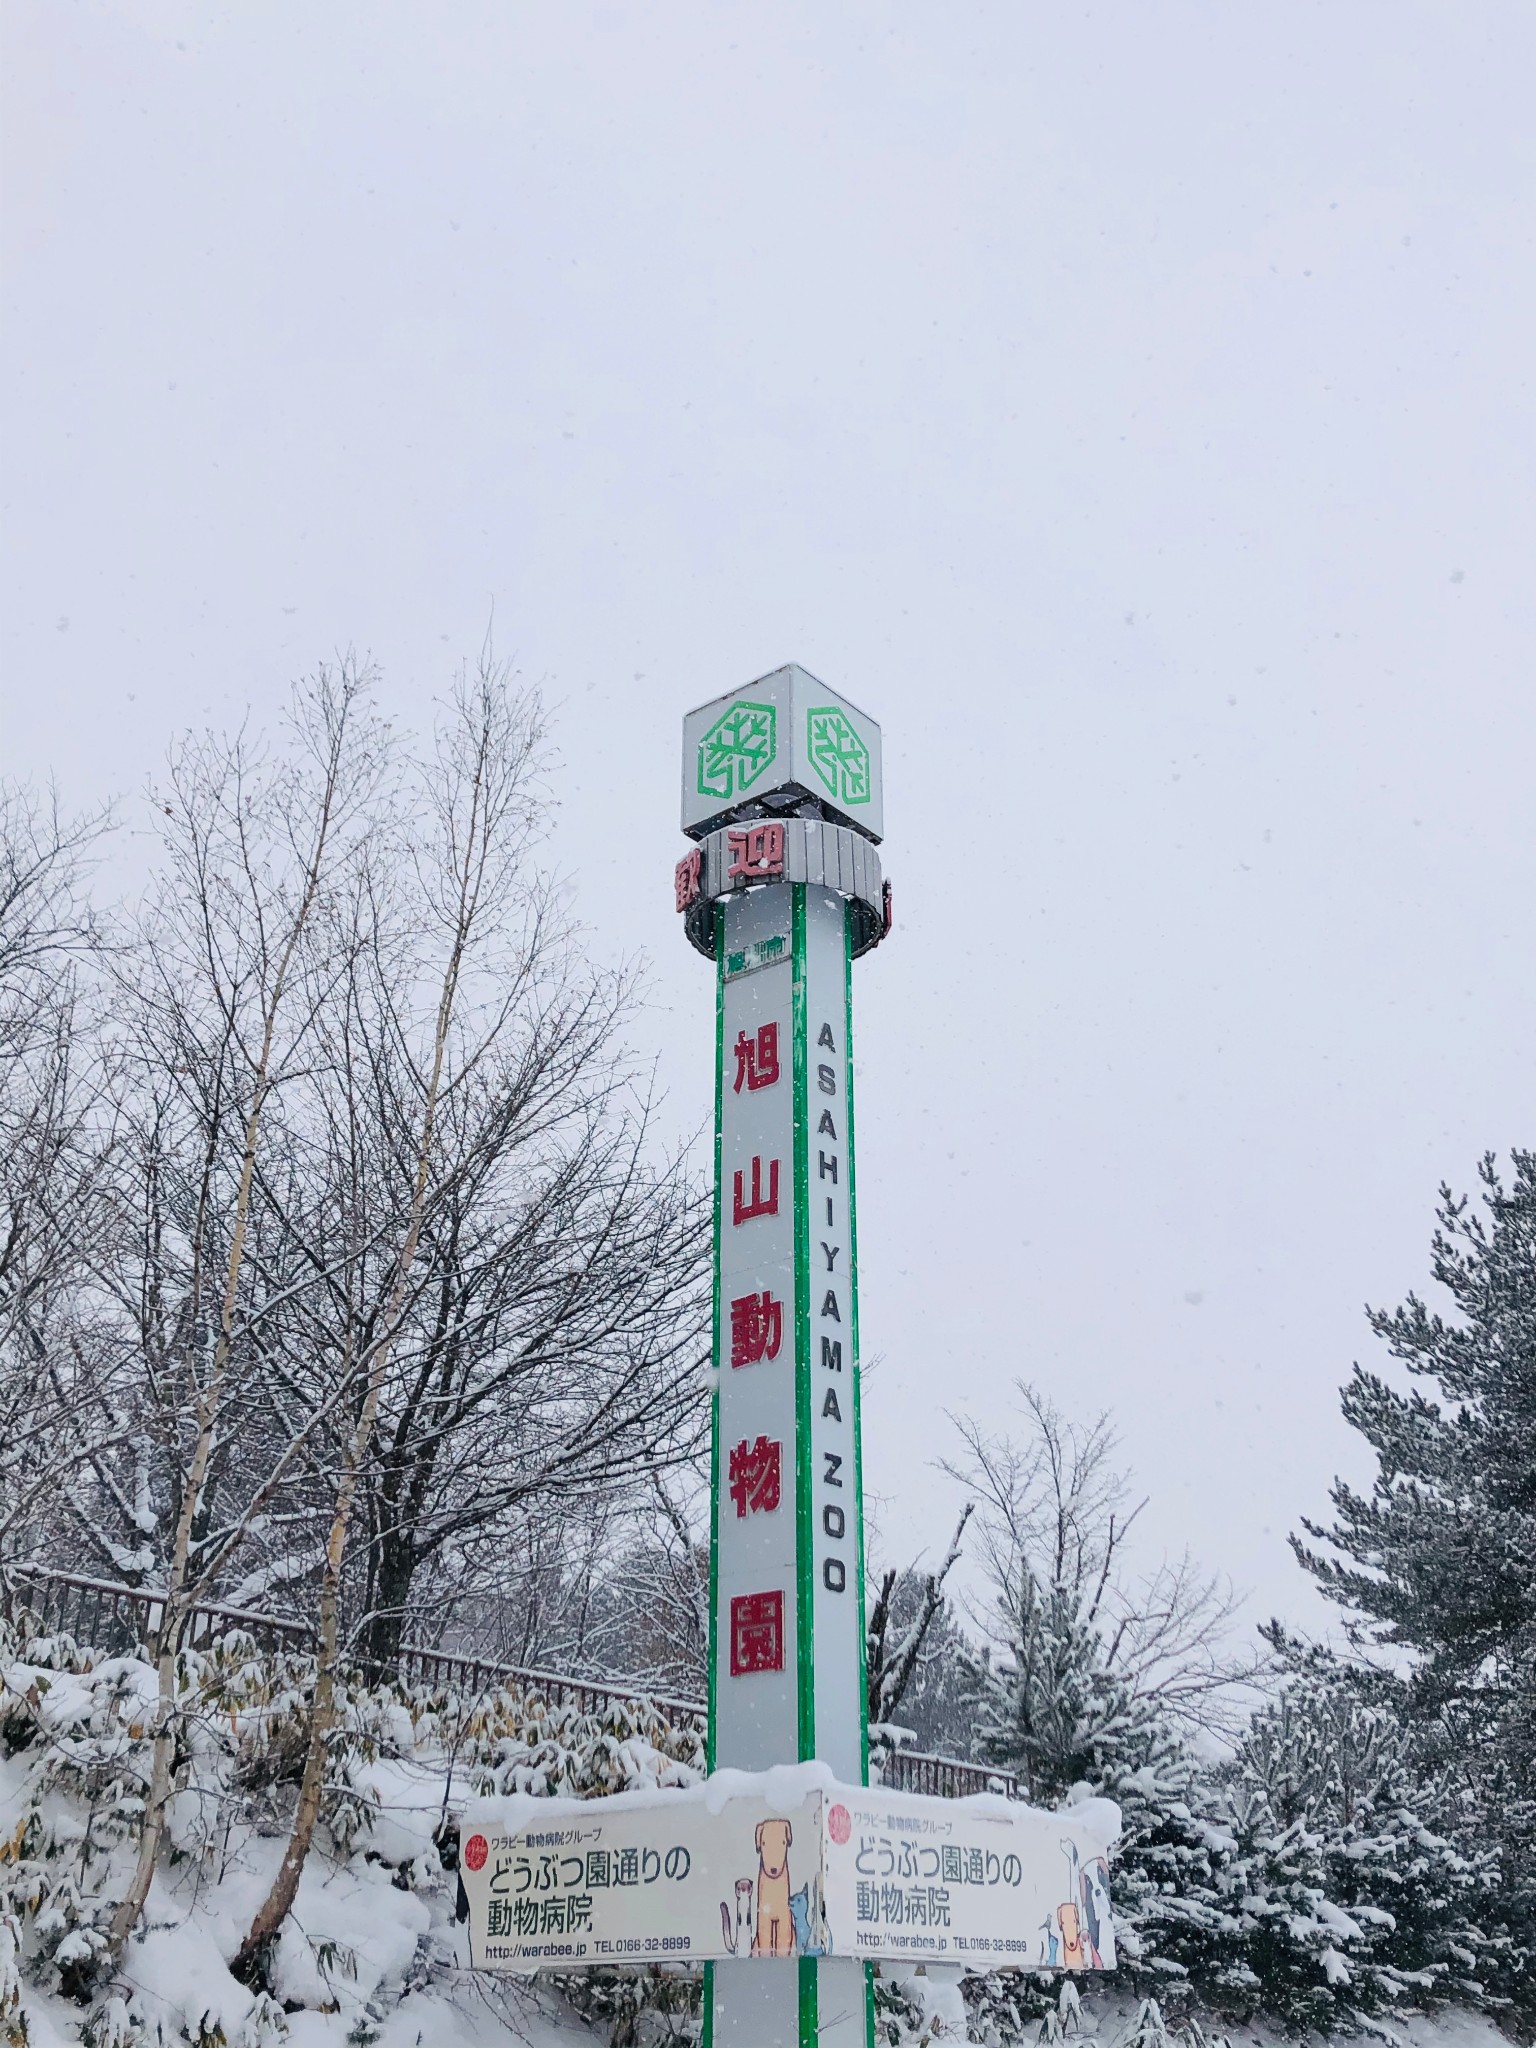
<point x="783" y="891"/>
<point x="785" y="1872"/>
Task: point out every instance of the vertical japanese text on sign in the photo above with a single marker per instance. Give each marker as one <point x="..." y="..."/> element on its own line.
<point x="757" y="1633"/>
<point x="761" y="1203"/>
<point x="755" y="1476"/>
<point x="757" y="1328"/>
<point x="757" y="1058"/>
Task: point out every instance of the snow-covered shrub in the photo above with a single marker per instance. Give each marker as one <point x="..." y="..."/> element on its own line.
<point x="658" y="2005"/>
<point x="13" y="2023"/>
<point x="1349" y="1893"/>
<point x="514" y="1741"/>
<point x="76" y="1729"/>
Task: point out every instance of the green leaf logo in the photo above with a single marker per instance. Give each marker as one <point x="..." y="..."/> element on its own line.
<point x="838" y="755"/>
<point x="737" y="748"/>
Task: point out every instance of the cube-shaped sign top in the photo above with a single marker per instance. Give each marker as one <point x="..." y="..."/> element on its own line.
<point x="776" y="741"/>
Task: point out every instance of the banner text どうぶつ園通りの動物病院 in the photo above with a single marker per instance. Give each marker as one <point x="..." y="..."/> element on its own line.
<point x="788" y="1862"/>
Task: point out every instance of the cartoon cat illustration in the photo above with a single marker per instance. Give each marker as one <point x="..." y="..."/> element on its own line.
<point x="1093" y="1887"/>
<point x="805" y="1911"/>
<point x="738" y="1932"/>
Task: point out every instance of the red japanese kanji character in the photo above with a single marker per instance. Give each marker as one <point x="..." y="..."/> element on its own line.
<point x="757" y="853"/>
<point x="686" y="878"/>
<point x="742" y="1211"/>
<point x="757" y="1059"/>
<point x="757" y="1633"/>
<point x="753" y="1477"/>
<point x="757" y="1328"/>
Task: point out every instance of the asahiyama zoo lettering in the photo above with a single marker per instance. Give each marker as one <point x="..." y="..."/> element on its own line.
<point x="755" y="1467"/>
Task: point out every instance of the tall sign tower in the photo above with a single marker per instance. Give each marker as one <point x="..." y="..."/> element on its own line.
<point x="783" y="891"/>
<point x="785" y="1873"/>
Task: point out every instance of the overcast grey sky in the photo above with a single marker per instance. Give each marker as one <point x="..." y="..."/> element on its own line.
<point x="1131" y="407"/>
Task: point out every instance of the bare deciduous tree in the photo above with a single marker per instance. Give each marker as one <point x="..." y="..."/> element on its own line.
<point x="511" y="1297"/>
<point x="1056" y="1510"/>
<point x="253" y="846"/>
<point x="55" y="1144"/>
<point x="893" y="1659"/>
<point x="383" y="1297"/>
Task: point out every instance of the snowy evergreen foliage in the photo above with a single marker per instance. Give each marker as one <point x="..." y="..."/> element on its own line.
<point x="1322" y="1872"/>
<point x="1049" y="1709"/>
<point x="1437" y="1563"/>
<point x="1314" y="1877"/>
<point x="1351" y="1893"/>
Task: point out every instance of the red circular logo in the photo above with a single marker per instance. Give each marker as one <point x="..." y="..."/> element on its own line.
<point x="839" y="1826"/>
<point x="476" y="1849"/>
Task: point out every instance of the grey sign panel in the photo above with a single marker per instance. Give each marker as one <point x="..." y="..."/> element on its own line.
<point x="829" y="855"/>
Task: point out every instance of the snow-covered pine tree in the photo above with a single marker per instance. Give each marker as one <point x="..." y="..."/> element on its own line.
<point x="1097" y="1679"/>
<point x="1348" y="1890"/>
<point x="1049" y="1708"/>
<point x="1438" y="1560"/>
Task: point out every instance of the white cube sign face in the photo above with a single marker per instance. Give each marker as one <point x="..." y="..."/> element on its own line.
<point x="785" y="737"/>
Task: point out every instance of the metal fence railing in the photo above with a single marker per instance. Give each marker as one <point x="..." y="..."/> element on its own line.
<point x="121" y="1619"/>
<point x="944" y="1777"/>
<point x="587" y="1695"/>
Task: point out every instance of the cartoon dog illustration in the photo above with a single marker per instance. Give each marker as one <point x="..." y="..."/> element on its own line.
<point x="1073" y="1954"/>
<point x="775" y="1931"/>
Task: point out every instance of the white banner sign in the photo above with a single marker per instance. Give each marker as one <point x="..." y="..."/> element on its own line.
<point x="977" y="1882"/>
<point x="787" y="1863"/>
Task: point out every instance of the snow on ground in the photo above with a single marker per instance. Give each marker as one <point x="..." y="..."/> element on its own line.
<point x="373" y="1951"/>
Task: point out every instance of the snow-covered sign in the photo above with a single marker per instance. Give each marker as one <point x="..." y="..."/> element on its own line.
<point x="786" y="1863"/>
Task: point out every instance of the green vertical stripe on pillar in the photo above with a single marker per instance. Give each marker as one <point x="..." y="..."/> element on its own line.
<point x="858" y="1430"/>
<point x="853" y="1314"/>
<point x="708" y="2035"/>
<point x="804" y="1533"/>
<point x="810" y="2009"/>
<point x="714" y="1404"/>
